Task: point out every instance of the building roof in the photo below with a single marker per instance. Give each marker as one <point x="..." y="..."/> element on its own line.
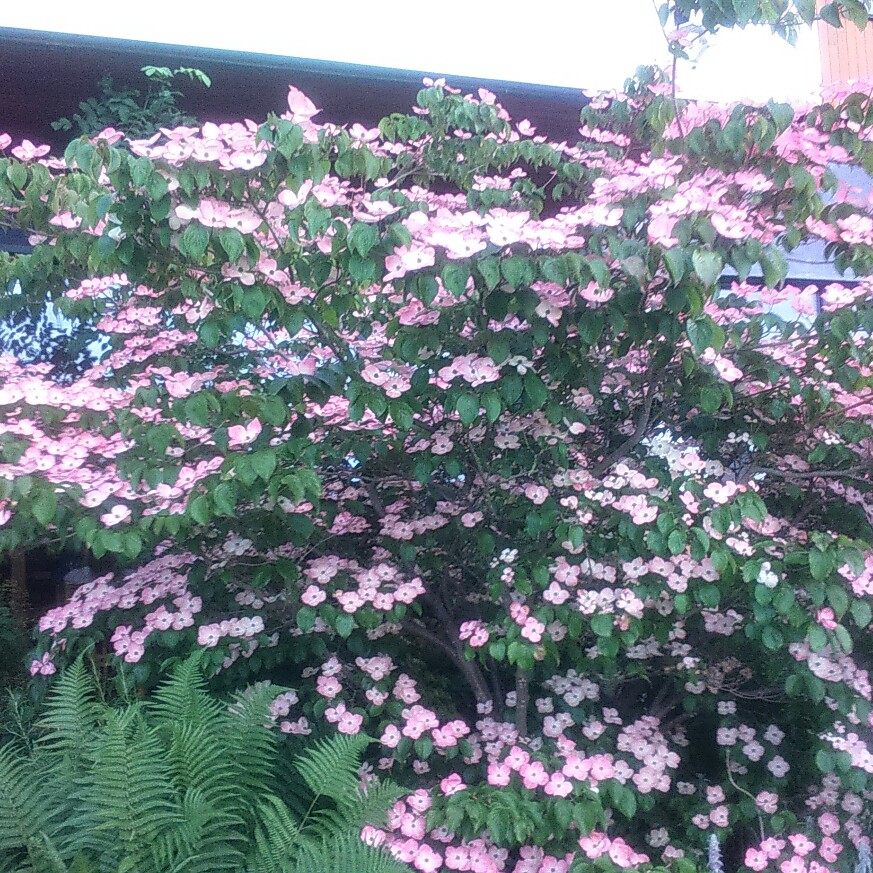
<point x="45" y="75"/>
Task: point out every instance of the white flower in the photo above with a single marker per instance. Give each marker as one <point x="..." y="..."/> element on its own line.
<point x="767" y="577"/>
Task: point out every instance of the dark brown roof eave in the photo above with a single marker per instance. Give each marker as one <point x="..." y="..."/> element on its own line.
<point x="45" y="75"/>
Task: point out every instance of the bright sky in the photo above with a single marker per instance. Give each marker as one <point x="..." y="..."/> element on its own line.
<point x="576" y="43"/>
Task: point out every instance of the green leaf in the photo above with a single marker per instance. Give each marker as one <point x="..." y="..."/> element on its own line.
<point x="675" y="260"/>
<point x="132" y="544"/>
<point x="345" y="624"/>
<point x="708" y="266"/>
<point x="194" y="240"/>
<point x="44" y="506"/>
<point x="493" y="406"/>
<point x="467" y="407"/>
<point x="17" y="174"/>
<point x="774" y="266"/>
<point x="772" y="638"/>
<point x="817" y="638"/>
<point x="141" y="170"/>
<point x="362" y="237"/>
<point x="746" y="11"/>
<point x="490" y="269"/>
<point x="676" y="542"/>
<point x="709" y="596"/>
<point x="455" y="277"/>
<point x="824" y="760"/>
<point x="264" y="463"/>
<point x="197" y="410"/>
<point x="535" y="389"/>
<point x="625" y="801"/>
<point x="830" y="14"/>
<point x="844" y="638"/>
<point x="710" y="399"/>
<point x="499" y="347"/>
<point x="861" y="613"/>
<point x="820" y="564"/>
<point x="224" y="498"/>
<point x="511" y="387"/>
<point x="232" y="242"/>
<point x="515" y="270"/>
<point x="306" y="618"/>
<point x="198" y="509"/>
<point x="602" y="625"/>
<point x="838" y="599"/>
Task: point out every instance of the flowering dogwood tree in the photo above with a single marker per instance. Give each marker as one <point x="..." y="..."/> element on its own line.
<point x="460" y="432"/>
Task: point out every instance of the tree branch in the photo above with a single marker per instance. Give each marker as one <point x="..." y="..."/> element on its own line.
<point x="635" y="438"/>
<point x="522" y="700"/>
<point x="472" y="673"/>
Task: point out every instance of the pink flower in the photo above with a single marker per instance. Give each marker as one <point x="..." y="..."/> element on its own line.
<point x="720" y="816"/>
<point x="756" y="860"/>
<point x="767" y="802"/>
<point x="313" y="595"/>
<point x="116" y="515"/>
<point x="242" y="435"/>
<point x="778" y="766"/>
<point x="594" y="845"/>
<point x="830" y="850"/>
<point x="536" y="493"/>
<point x="302" y="108"/>
<point x="426" y="859"/>
<point x="27" y="151"/>
<point x="499" y="774"/>
<point x="533" y="775"/>
<point x="794" y="864"/>
<point x="452" y="785"/>
<point x="826" y="618"/>
<point x="390" y="736"/>
<point x="350" y="723"/>
<point x="558" y="786"/>
<point x="802" y="844"/>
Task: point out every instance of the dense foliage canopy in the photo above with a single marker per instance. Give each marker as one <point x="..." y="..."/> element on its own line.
<point x="462" y="433"/>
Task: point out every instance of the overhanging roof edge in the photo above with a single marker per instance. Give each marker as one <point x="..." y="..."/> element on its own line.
<point x="325" y="68"/>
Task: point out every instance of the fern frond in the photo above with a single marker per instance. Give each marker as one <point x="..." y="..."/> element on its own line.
<point x="24" y="813"/>
<point x="199" y="759"/>
<point x="276" y="836"/>
<point x="184" y="697"/>
<point x="252" y="742"/>
<point x="330" y="767"/>
<point x="72" y="713"/>
<point x="291" y="786"/>
<point x="372" y="804"/>
<point x="343" y="853"/>
<point x="205" y="840"/>
<point x="133" y="795"/>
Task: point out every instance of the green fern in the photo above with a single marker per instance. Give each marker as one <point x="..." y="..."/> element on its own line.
<point x="247" y="730"/>
<point x="181" y="784"/>
<point x="184" y="696"/>
<point x="71" y="712"/>
<point x="330" y="768"/>
<point x="346" y="853"/>
<point x="133" y="796"/>
<point x="276" y="836"/>
<point x="24" y="814"/>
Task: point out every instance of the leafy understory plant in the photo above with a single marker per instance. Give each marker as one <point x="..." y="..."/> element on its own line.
<point x="182" y="782"/>
<point x="139" y="113"/>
